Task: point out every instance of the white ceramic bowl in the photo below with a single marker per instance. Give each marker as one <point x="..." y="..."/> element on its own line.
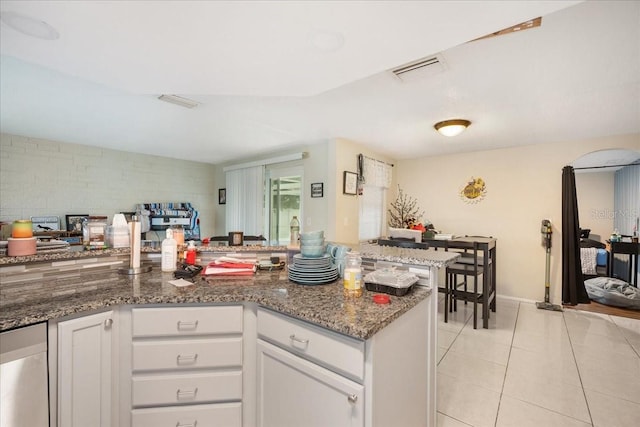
<point x="312" y="251"/>
<point x="312" y="235"/>
<point x="311" y="242"/>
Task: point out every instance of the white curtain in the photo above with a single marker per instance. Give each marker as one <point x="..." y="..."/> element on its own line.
<point x="377" y="179"/>
<point x="245" y="200"/>
<point x="377" y="173"/>
<point x="626" y="204"/>
<point x="372" y="213"/>
<point x="626" y="200"/>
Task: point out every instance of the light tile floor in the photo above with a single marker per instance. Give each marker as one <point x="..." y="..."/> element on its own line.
<point x="538" y="368"/>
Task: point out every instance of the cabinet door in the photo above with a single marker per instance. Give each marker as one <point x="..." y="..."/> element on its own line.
<point x="84" y="371"/>
<point x="295" y="392"/>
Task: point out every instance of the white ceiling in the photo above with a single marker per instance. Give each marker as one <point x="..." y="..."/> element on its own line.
<point x="265" y="85"/>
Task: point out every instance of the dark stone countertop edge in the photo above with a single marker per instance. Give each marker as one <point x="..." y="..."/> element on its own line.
<point x="372" y="318"/>
<point x="73" y="253"/>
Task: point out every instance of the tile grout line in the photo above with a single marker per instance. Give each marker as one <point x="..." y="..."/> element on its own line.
<point x="454" y="340"/>
<point x="624" y="336"/>
<point x="575" y="360"/>
<point x="504" y="380"/>
<point x="443" y="356"/>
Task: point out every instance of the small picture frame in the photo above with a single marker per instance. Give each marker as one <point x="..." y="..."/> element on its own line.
<point x="317" y="189"/>
<point x="350" y="183"/>
<point x="222" y="196"/>
<point x="74" y="222"/>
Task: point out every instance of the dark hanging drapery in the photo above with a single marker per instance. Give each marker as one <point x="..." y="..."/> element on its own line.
<point x="573" y="290"/>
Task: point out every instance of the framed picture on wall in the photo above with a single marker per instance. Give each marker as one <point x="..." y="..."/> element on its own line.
<point x="222" y="196"/>
<point x="350" y="183"/>
<point x="74" y="222"/>
<point x="317" y="189"/>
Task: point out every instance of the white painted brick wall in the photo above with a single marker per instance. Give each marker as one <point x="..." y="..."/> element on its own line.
<point x="40" y="177"/>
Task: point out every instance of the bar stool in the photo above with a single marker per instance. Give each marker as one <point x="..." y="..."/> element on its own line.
<point x="468" y="266"/>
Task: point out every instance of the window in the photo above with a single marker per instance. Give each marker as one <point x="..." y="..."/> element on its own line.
<point x="372" y="213"/>
<point x="284" y="201"/>
<point x="377" y="179"/>
<point x="248" y="193"/>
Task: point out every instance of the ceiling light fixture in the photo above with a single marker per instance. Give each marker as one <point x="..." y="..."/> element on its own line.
<point x="178" y="100"/>
<point x="452" y="127"/>
<point x="29" y="26"/>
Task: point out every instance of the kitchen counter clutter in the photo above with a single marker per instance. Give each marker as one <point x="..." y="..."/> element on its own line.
<point x="88" y="280"/>
<point x="78" y="252"/>
<point x="61" y="295"/>
<point x="235" y="350"/>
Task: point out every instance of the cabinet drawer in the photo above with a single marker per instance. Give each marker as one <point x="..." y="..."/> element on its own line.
<point x="222" y="415"/>
<point x="183" y="321"/>
<point x="335" y="351"/>
<point x="187" y="354"/>
<point x="155" y="390"/>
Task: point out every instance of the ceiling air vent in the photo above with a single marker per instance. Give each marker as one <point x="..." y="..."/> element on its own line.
<point x="428" y="66"/>
<point x="179" y="100"/>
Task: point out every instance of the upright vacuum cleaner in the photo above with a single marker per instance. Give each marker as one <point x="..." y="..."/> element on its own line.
<point x="546" y="237"/>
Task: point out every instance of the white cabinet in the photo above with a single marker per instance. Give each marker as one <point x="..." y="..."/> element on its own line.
<point x="294" y="392"/>
<point x="185" y="366"/>
<point x="337" y="352"/>
<point x="85" y="366"/>
<point x="311" y="376"/>
<point x="308" y="375"/>
<point x="221" y="414"/>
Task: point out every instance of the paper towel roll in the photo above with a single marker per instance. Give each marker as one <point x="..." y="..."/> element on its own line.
<point x="134" y="233"/>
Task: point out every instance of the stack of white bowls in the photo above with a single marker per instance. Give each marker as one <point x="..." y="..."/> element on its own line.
<point x="312" y="244"/>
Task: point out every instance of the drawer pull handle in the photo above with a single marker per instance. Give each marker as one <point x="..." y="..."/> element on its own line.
<point x="193" y="424"/>
<point x="108" y="323"/>
<point x="295" y="339"/>
<point x="184" y="326"/>
<point x="352" y="398"/>
<point x="187" y="358"/>
<point x="186" y="394"/>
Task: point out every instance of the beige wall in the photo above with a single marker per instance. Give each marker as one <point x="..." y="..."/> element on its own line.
<point x="41" y="177"/>
<point x="523" y="187"/>
<point x="595" y="192"/>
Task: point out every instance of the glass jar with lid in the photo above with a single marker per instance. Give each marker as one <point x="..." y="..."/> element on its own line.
<point x="94" y="232"/>
<point x="352" y="280"/>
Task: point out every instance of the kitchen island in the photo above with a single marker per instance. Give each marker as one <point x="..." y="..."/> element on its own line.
<point x="383" y="330"/>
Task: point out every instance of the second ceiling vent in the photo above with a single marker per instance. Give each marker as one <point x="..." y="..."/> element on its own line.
<point x="428" y="66"/>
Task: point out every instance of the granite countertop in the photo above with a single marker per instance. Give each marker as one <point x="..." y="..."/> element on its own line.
<point x="324" y="305"/>
<point x="77" y="252"/>
<point x="419" y="257"/>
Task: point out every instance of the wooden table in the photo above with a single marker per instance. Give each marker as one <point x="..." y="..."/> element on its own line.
<point x="626" y="248"/>
<point x="488" y="247"/>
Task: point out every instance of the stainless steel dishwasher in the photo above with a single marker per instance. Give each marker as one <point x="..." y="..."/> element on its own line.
<point x="24" y="396"/>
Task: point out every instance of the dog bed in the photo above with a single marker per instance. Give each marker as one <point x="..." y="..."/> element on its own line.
<point x="614" y="292"/>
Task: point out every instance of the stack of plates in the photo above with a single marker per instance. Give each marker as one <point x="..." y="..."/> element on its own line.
<point x="312" y="271"/>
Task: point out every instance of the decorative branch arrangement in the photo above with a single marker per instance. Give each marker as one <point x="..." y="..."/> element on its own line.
<point x="404" y="212"/>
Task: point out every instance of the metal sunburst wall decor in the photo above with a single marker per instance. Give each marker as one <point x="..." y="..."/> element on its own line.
<point x="474" y="190"/>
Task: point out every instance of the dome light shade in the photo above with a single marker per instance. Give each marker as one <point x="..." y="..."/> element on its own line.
<point x="452" y="127"/>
